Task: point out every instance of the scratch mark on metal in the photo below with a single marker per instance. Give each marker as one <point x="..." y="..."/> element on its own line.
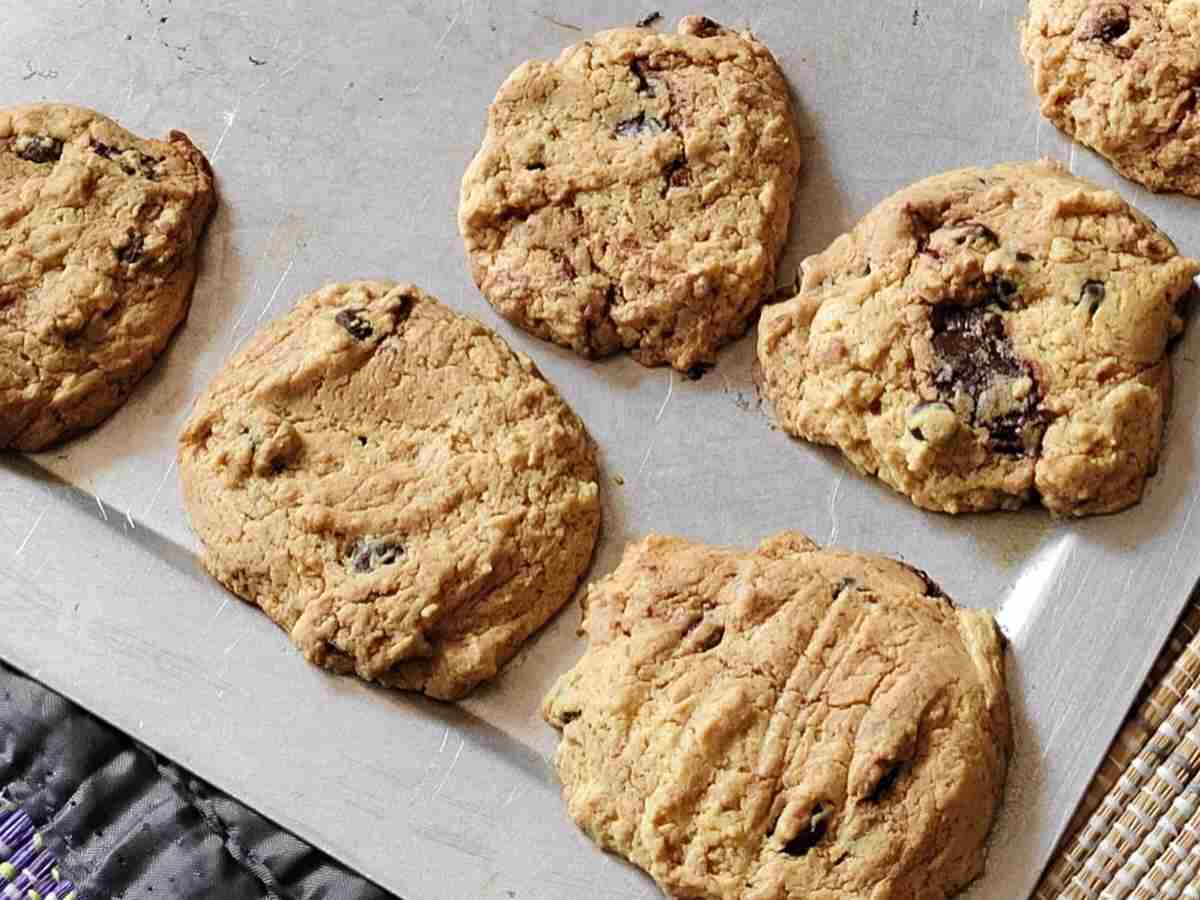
<point x="454" y="762"/>
<point x="558" y="22"/>
<point x="833" y="510"/>
<point x="512" y="795"/>
<point x="129" y="520"/>
<point x="220" y="609"/>
<point x="32" y="529"/>
<point x="230" y="118"/>
<point x="233" y="646"/>
<point x="445" y="738"/>
<point x="446" y="33"/>
<point x="158" y="490"/>
<point x="645" y="459"/>
<point x="100" y="503"/>
<point x="275" y="293"/>
<point x="670" y="389"/>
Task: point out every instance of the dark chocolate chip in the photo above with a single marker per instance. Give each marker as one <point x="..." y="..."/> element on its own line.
<point x="647" y="21"/>
<point x="707" y="28"/>
<point x="932" y="588"/>
<point x="712" y="640"/>
<point x="1105" y="23"/>
<point x="355" y="323"/>
<point x="644" y="87"/>
<point x="362" y="440"/>
<point x="1092" y="295"/>
<point x="39" y="148"/>
<point x="921" y="407"/>
<point x="102" y="149"/>
<point x="975" y="354"/>
<point x="885" y="783"/>
<point x="639" y="125"/>
<point x="1002" y="292"/>
<point x="132" y="252"/>
<point x="370" y="555"/>
<point x="570" y="715"/>
<point x="535" y="167"/>
<point x="696" y="372"/>
<point x="1024" y="257"/>
<point x="809" y="836"/>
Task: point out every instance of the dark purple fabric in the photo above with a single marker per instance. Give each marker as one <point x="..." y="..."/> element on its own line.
<point x="127" y="825"/>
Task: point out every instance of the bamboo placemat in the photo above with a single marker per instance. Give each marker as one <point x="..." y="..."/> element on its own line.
<point x="1137" y="832"/>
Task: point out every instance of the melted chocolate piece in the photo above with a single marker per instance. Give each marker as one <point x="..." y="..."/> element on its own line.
<point x="39" y="149"/>
<point x="370" y="555"/>
<point x="1105" y="23"/>
<point x="639" y="125"/>
<point x="976" y="356"/>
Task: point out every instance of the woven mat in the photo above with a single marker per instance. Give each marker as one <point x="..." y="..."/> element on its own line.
<point x="1137" y="831"/>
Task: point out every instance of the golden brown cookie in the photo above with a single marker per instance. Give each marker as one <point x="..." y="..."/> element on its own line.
<point x="407" y="497"/>
<point x="782" y="723"/>
<point x="97" y="260"/>
<point x="635" y="193"/>
<point x="1123" y="77"/>
<point x="984" y="339"/>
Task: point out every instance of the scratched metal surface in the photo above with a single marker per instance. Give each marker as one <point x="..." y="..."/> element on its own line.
<point x="339" y="135"/>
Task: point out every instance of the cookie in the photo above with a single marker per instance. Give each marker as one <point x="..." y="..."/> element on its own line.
<point x="985" y="339"/>
<point x="1123" y="78"/>
<point x="404" y="495"/>
<point x="635" y="193"/>
<point x="97" y="260"/>
<point x="785" y="722"/>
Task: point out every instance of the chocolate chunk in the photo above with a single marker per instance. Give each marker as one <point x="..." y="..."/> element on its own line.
<point x="355" y="323"/>
<point x="1092" y="296"/>
<point x="886" y="782"/>
<point x="696" y="372"/>
<point x="676" y="174"/>
<point x="132" y="252"/>
<point x="647" y="21"/>
<point x="810" y="835"/>
<point x="706" y="28"/>
<point x="1105" y="23"/>
<point x="644" y="87"/>
<point x="569" y="715"/>
<point x="977" y="359"/>
<point x="370" y="555"/>
<point x="145" y="163"/>
<point x="38" y="148"/>
<point x="639" y="125"/>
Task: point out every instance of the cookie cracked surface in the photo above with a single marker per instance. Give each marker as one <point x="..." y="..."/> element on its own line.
<point x="97" y="260"/>
<point x="1123" y="77"/>
<point x="985" y="339"/>
<point x="784" y="722"/>
<point x="402" y="493"/>
<point x="635" y="193"/>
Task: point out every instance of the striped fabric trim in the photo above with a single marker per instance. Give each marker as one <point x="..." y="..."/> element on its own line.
<point x="1137" y="832"/>
<point x="28" y="870"/>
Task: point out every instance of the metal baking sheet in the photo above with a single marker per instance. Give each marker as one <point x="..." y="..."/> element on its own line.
<point x="339" y="133"/>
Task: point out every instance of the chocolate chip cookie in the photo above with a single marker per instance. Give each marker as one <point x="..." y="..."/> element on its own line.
<point x="635" y="193"/>
<point x="407" y="497"/>
<point x="786" y="722"/>
<point x="984" y="339"/>
<point x="1123" y="78"/>
<point x="97" y="260"/>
